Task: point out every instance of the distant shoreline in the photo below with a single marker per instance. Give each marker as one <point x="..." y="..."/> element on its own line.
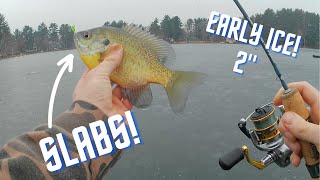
<point x="30" y="53"/>
<point x="182" y="42"/>
<point x="37" y="52"/>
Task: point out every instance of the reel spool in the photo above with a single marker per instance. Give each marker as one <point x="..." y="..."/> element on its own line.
<point x="265" y="136"/>
<point x="266" y="124"/>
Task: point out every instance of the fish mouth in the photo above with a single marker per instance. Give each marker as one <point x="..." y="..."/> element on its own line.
<point x="87" y="49"/>
<point x="77" y="43"/>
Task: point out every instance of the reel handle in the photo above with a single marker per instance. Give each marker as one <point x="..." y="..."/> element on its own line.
<point x="293" y="101"/>
<point x="232" y="158"/>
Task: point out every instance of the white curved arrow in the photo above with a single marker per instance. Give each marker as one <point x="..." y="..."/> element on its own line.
<point x="67" y="63"/>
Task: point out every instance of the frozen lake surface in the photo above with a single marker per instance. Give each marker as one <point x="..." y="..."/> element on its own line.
<point x="175" y="147"/>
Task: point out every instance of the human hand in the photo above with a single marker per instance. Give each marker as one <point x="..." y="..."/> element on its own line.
<point x="95" y="88"/>
<point x="294" y="127"/>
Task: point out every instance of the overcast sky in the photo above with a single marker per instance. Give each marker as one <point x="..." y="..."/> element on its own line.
<point x="85" y="14"/>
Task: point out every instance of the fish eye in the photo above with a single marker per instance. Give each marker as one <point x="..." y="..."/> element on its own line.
<point x="106" y="42"/>
<point x="86" y="35"/>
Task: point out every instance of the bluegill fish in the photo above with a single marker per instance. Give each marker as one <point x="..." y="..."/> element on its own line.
<point x="144" y="60"/>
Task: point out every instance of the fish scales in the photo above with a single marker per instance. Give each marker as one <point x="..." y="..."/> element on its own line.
<point x="143" y="61"/>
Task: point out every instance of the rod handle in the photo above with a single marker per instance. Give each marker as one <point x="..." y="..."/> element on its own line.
<point x="293" y="101"/>
<point x="232" y="158"/>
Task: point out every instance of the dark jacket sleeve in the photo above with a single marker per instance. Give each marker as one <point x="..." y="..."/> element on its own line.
<point x="21" y="157"/>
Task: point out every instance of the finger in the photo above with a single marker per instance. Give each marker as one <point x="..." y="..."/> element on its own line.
<point x="295" y="159"/>
<point x="295" y="146"/>
<point x="111" y="60"/>
<point x="85" y="73"/>
<point x="277" y="100"/>
<point x="127" y="103"/>
<point x="117" y="92"/>
<point x="117" y="103"/>
<point x="80" y="80"/>
<point x="289" y="136"/>
<point x="286" y="133"/>
<point x="300" y="128"/>
<point x="309" y="94"/>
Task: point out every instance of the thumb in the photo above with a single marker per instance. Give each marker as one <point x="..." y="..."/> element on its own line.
<point x="111" y="60"/>
<point x="300" y="128"/>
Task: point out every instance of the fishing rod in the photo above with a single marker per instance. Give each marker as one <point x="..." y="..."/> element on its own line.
<point x="265" y="135"/>
<point x="263" y="44"/>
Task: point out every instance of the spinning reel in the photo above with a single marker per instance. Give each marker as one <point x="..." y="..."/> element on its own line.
<point x="265" y="136"/>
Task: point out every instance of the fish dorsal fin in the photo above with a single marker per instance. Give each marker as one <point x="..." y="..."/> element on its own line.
<point x="163" y="49"/>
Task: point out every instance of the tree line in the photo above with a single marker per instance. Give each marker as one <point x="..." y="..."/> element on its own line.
<point x="29" y="40"/>
<point x="171" y="29"/>
<point x="296" y="21"/>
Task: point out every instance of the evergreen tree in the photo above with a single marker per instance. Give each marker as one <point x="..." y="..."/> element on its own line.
<point x="155" y="27"/>
<point x="66" y="35"/>
<point x="166" y="28"/>
<point x="5" y="35"/>
<point x="176" y="28"/>
<point x="200" y="25"/>
<point x="189" y="28"/>
<point x="19" y="41"/>
<point x="42" y="37"/>
<point x="53" y="36"/>
<point x="28" y="37"/>
<point x="53" y="32"/>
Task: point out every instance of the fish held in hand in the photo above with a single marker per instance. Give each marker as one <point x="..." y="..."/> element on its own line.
<point x="143" y="63"/>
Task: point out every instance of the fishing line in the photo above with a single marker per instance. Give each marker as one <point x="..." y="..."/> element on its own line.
<point x="196" y="2"/>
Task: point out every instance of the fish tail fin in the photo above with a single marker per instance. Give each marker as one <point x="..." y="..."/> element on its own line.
<point x="179" y="87"/>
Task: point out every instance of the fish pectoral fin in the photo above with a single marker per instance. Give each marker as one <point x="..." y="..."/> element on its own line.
<point x="140" y="97"/>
